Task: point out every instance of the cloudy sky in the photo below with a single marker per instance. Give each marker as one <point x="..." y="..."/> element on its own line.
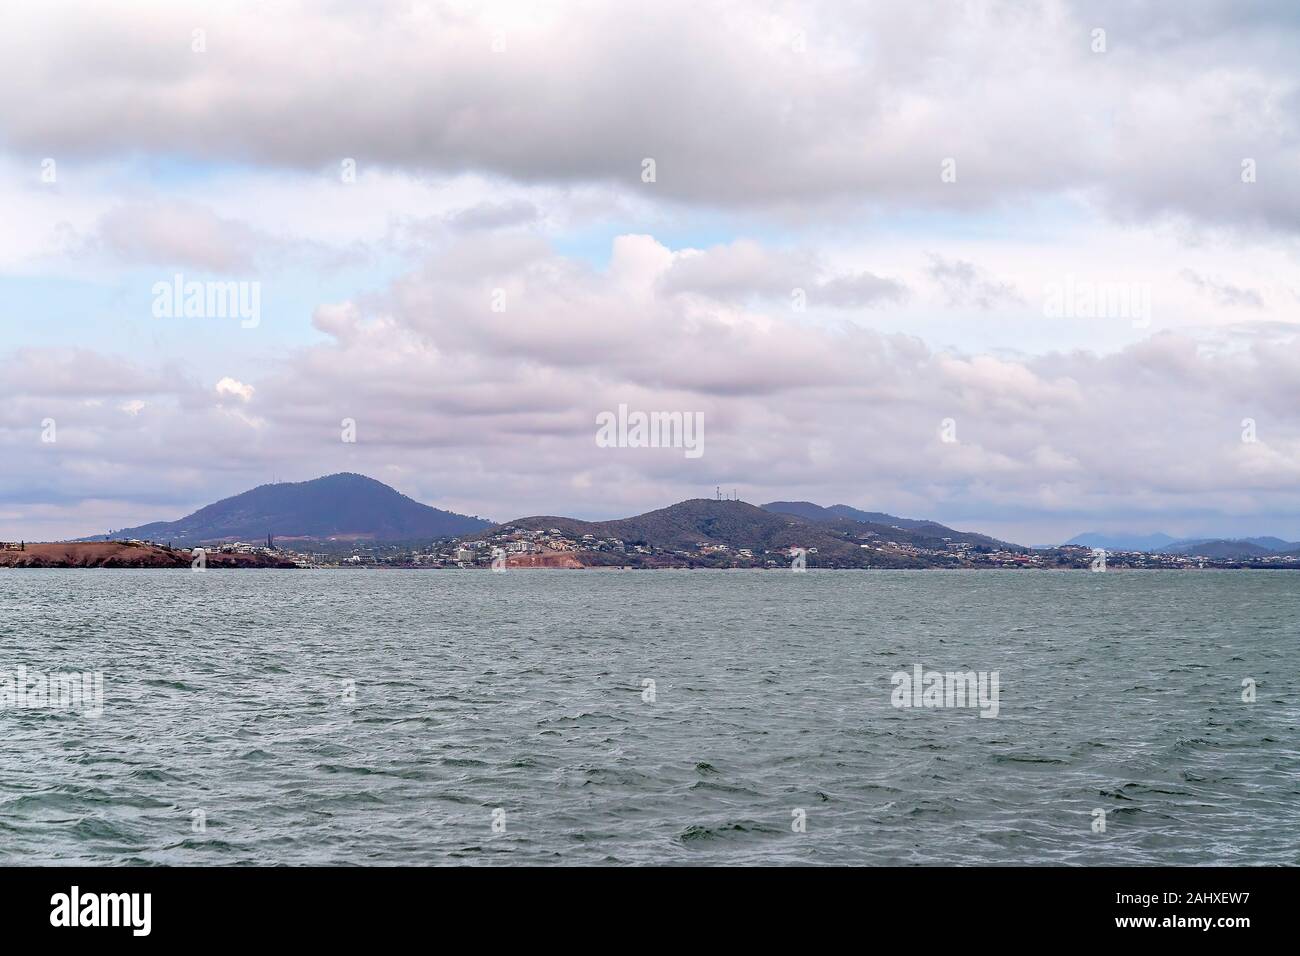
<point x="1025" y="268"/>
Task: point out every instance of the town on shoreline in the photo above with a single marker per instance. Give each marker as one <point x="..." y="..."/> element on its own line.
<point x="515" y="548"/>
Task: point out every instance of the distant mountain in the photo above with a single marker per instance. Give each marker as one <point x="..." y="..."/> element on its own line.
<point x="1122" y="542"/>
<point x="1273" y="544"/>
<point x="1221" y="549"/>
<point x="835" y="513"/>
<point x="1202" y="547"/>
<point x="343" y="506"/>
<point x="689" y="525"/>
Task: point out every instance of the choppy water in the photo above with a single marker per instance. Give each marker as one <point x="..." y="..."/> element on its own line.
<point x="225" y="692"/>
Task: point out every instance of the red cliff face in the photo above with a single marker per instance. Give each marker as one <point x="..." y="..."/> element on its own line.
<point x="548" y="559"/>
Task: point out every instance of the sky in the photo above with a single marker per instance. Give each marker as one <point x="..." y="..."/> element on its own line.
<point x="1025" y="268"/>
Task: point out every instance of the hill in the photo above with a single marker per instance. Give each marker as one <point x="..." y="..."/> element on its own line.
<point x="1228" y="550"/>
<point x="817" y="513"/>
<point x="700" y="524"/>
<point x="923" y="529"/>
<point x="686" y="526"/>
<point x="342" y="506"/>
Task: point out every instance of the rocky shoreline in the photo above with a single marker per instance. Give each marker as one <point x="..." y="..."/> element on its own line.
<point x="124" y="554"/>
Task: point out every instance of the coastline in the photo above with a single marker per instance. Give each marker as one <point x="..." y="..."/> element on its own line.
<point x="125" y="554"/>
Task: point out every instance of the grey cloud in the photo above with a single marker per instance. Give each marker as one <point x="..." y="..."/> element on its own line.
<point x="733" y="117"/>
<point x="79" y="374"/>
<point x="176" y="233"/>
<point x="862" y="289"/>
<point x="494" y="215"/>
<point x="965" y="284"/>
<point x="1225" y="293"/>
<point x="179" y="233"/>
<point x="744" y="269"/>
<point x="739" y="270"/>
<point x="493" y="412"/>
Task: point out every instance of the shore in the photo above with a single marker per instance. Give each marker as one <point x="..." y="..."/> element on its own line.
<point x="122" y="554"/>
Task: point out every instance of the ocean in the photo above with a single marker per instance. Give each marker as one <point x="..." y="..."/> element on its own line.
<point x="671" y="717"/>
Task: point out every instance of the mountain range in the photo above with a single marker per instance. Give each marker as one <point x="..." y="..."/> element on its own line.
<point x="1225" y="548"/>
<point x="351" y="508"/>
<point x="1121" y="542"/>
<point x="346" y="508"/>
<point x="834" y="534"/>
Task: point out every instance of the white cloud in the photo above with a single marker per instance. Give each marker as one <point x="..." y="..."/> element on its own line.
<point x="235" y="389"/>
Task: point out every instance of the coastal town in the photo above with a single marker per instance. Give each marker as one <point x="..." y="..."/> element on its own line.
<point x="511" y="547"/>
